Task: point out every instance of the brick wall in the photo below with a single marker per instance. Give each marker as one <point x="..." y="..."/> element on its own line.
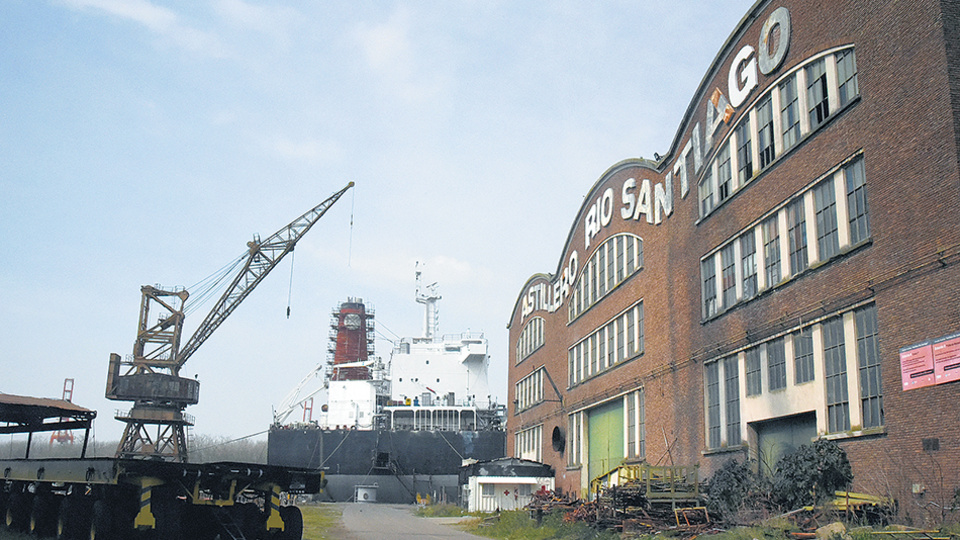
<point x="906" y="124"/>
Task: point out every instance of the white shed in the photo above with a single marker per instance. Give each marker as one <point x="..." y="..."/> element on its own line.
<point x="503" y="484"/>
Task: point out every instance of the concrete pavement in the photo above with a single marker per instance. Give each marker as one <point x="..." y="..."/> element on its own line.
<point x="394" y="521"/>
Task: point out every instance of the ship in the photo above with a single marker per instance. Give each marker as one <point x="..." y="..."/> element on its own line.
<point x="395" y="431"/>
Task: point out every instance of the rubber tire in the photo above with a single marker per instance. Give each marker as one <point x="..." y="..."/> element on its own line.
<point x="18" y="511"/>
<point x="169" y="515"/>
<point x="43" y="515"/>
<point x="101" y="522"/>
<point x="251" y="520"/>
<point x="4" y="498"/>
<point x="292" y="523"/>
<point x="67" y="519"/>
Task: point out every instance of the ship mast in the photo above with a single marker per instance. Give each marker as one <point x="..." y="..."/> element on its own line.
<point x="431" y="314"/>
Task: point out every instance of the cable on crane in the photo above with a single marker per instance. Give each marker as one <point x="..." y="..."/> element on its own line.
<point x="353" y="197"/>
<point x="293" y="255"/>
<point x="211" y="285"/>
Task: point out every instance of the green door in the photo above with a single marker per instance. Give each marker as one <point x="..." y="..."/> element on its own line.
<point x="605" y="438"/>
<point x="781" y="436"/>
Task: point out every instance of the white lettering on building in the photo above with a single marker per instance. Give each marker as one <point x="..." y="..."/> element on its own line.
<point x="654" y="202"/>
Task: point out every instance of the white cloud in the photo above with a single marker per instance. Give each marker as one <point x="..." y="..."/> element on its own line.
<point x="159" y="20"/>
<point x="391" y="55"/>
<point x="267" y="19"/>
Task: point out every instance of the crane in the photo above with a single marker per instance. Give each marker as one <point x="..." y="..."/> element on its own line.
<point x="150" y="378"/>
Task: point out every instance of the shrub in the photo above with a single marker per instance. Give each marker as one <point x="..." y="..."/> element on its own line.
<point x="811" y="474"/>
<point x="735" y="488"/>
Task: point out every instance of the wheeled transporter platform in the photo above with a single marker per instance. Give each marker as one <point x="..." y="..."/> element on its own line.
<point x="112" y="498"/>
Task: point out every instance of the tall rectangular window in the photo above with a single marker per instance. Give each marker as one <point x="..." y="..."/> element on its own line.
<point x="601" y="349"/>
<point x="868" y="357"/>
<point x="754" y="382"/>
<point x="744" y="152"/>
<point x="630" y="403"/>
<point x="819" y="107"/>
<point x="789" y="112"/>
<point x="835" y="374"/>
<point x="621" y="343"/>
<point x="803" y="355"/>
<point x="713" y="404"/>
<point x="601" y="271"/>
<point x="612" y="343"/>
<point x="724" y="173"/>
<point x="619" y="248"/>
<point x="732" y="391"/>
<point x="641" y="424"/>
<point x="825" y="204"/>
<point x="771" y="251"/>
<point x="857" y="202"/>
<point x="797" y="234"/>
<point x="708" y="273"/>
<point x="611" y="264"/>
<point x="765" y="131"/>
<point x="706" y="193"/>
<point x="579" y="349"/>
<point x="748" y="264"/>
<point x="728" y="273"/>
<point x="776" y="364"/>
<point x="594" y="359"/>
<point x="847" y="76"/>
<point x="640" y="326"/>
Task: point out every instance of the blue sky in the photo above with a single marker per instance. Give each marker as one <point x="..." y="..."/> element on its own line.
<point x="146" y="142"/>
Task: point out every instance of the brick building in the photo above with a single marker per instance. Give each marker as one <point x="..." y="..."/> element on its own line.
<point x="787" y="271"/>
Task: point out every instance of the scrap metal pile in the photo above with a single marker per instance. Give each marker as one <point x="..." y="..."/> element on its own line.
<point x="636" y="500"/>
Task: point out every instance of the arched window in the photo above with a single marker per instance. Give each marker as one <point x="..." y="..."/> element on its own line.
<point x="615" y="260"/>
<point x="531" y="338"/>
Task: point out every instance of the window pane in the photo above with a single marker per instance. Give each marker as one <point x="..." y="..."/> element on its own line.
<point x="713" y="405"/>
<point x="771" y="251"/>
<point x="825" y="201"/>
<point x="797" y="234"/>
<point x="754" y="383"/>
<point x="748" y="264"/>
<point x="835" y="365"/>
<point x="868" y="357"/>
<point x="744" y="152"/>
<point x="706" y="193"/>
<point x="857" y="202"/>
<point x="776" y="364"/>
<point x="847" y="76"/>
<point x="724" y="173"/>
<point x="765" y="131"/>
<point x="732" y="391"/>
<point x="803" y="355"/>
<point x="789" y="112"/>
<point x="819" y="108"/>
<point x="708" y="274"/>
<point x="728" y="264"/>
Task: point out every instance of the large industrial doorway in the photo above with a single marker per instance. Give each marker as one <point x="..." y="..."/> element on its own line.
<point x="781" y="436"/>
<point x="605" y="438"/>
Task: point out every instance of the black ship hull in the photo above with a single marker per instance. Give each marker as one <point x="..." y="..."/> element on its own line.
<point x="384" y="465"/>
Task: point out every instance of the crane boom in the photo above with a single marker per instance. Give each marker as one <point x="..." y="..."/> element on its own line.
<point x="261" y="258"/>
<point x="156" y="424"/>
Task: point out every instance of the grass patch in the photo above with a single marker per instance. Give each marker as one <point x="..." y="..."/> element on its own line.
<point x="518" y="525"/>
<point x="440" y="510"/>
<point x="321" y="521"/>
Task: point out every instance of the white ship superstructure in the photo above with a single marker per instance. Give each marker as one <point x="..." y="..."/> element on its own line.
<point x="431" y="382"/>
